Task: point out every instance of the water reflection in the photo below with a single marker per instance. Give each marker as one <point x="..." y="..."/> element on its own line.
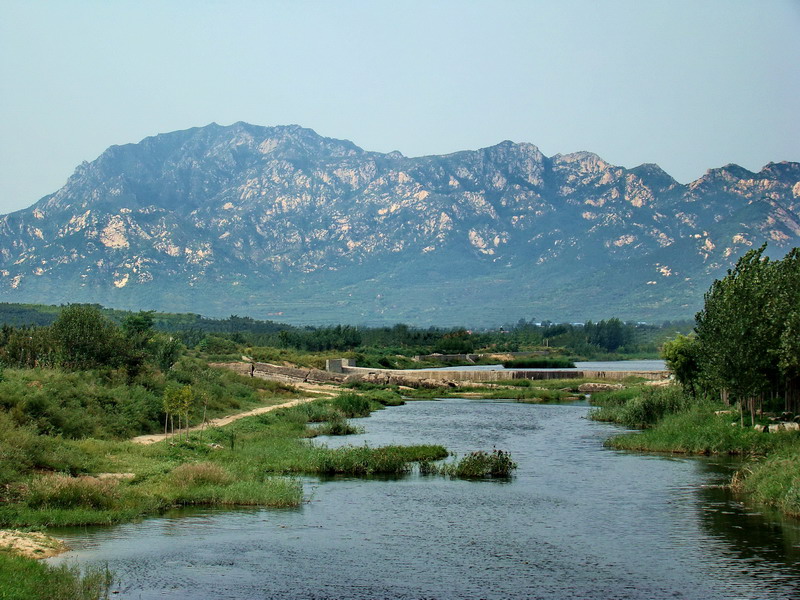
<point x="763" y="542"/>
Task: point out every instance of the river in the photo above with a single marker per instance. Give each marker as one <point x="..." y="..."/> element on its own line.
<point x="577" y="521"/>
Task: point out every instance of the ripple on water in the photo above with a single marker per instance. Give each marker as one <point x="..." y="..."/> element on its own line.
<point x="577" y="521"/>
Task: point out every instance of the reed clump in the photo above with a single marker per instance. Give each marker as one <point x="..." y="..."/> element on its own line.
<point x="336" y="425"/>
<point x="363" y="460"/>
<point x="639" y="407"/>
<point x="480" y="464"/>
<point x="64" y="491"/>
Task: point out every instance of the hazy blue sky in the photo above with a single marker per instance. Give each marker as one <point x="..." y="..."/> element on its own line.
<point x="688" y="84"/>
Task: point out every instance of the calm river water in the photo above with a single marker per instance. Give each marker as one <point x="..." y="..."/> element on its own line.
<point x="577" y="521"/>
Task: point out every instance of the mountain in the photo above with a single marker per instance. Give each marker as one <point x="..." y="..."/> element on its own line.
<point x="281" y="223"/>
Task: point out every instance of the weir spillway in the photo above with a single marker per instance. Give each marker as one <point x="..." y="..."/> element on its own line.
<point x="348" y="367"/>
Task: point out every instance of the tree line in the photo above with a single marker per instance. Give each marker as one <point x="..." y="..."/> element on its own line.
<point x="81" y="337"/>
<point x="746" y="345"/>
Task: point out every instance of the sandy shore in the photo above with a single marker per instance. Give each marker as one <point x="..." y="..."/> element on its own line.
<point x="31" y="544"/>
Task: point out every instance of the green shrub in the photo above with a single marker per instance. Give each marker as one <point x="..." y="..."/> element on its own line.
<point x="213" y="344"/>
<point x="642" y="407"/>
<point x="22" y="451"/>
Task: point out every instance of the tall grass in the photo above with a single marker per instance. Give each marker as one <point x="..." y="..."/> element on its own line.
<point x="639" y="407"/>
<point x="63" y="491"/>
<point x="774" y="481"/>
<point x="496" y="464"/>
<point x="698" y="430"/>
<point x="28" y="579"/>
<point x="352" y="405"/>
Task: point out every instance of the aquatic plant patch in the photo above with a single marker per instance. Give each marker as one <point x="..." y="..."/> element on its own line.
<point x="496" y="464"/>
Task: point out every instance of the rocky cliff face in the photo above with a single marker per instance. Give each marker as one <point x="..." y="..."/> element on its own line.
<point x="279" y="222"/>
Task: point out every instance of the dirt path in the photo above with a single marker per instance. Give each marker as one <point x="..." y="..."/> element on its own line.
<point x="310" y="388"/>
<point x="160" y="437"/>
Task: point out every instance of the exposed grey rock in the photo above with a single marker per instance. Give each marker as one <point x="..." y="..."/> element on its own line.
<point x="279" y="222"/>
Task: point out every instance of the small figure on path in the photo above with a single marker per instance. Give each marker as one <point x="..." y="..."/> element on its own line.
<point x="252" y="369"/>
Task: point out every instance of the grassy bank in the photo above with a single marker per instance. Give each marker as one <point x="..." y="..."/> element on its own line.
<point x="774" y="480"/>
<point x="521" y="390"/>
<point x="108" y="403"/>
<point x="51" y="481"/>
<point x="673" y="423"/>
<point x="28" y="579"/>
<point x="250" y="462"/>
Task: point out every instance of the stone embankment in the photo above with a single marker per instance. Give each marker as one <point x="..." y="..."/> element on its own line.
<point x="287" y="374"/>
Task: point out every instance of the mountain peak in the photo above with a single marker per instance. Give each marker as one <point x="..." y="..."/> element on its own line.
<point x="257" y="219"/>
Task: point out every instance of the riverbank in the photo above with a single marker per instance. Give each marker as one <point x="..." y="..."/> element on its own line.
<point x="575" y="521"/>
<point x="252" y="461"/>
<point x="20" y="555"/>
<point x="674" y="424"/>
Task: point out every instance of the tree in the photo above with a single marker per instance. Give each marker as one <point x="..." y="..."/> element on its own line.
<point x="166" y="350"/>
<point x="138" y="325"/>
<point x="84" y="338"/>
<point x="178" y="401"/>
<point x="681" y="356"/>
<point x="747" y="332"/>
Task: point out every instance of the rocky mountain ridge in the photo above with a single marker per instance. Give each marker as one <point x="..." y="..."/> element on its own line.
<point x="279" y="222"/>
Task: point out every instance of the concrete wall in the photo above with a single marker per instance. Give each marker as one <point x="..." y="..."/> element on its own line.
<point x="482" y="375"/>
<point x="335" y="365"/>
